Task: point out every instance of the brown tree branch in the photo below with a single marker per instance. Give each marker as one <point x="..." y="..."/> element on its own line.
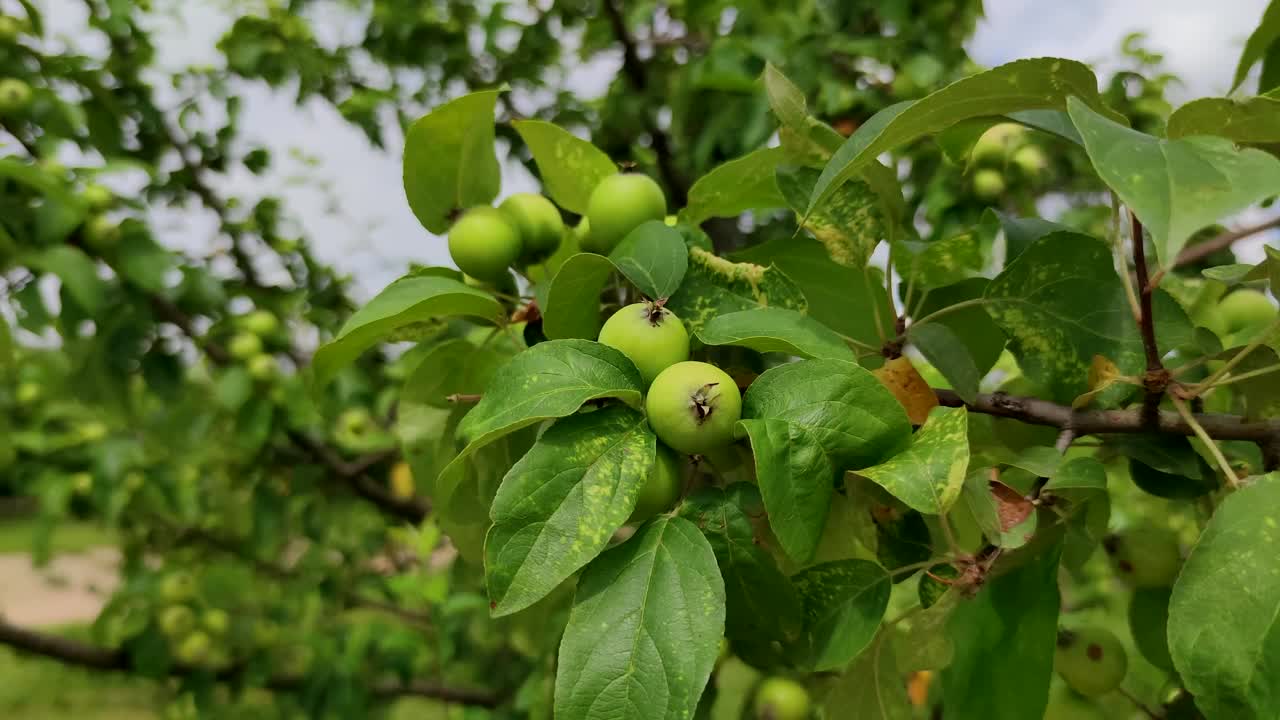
<point x="93" y="657"/>
<point x="1199" y="251"/>
<point x="1094" y="422"/>
<point x="638" y="75"/>
<point x="412" y="509"/>
<point x="1157" y="378"/>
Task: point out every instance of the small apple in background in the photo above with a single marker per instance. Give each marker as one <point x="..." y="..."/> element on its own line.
<point x="988" y="184"/>
<point x="484" y="243"/>
<point x="244" y="345"/>
<point x="780" y="698"/>
<point x="1091" y="660"/>
<point x="618" y="205"/>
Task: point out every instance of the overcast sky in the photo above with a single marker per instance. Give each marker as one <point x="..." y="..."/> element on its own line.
<point x="354" y="207"/>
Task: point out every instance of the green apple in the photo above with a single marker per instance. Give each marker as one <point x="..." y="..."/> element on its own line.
<point x="134" y="481"/>
<point x="355" y="421"/>
<point x="1068" y="705"/>
<point x="15" y="96"/>
<point x="660" y="490"/>
<point x="260" y="323"/>
<point x="82" y="483"/>
<point x="1148" y="557"/>
<point x="265" y="634"/>
<point x="194" y="648"/>
<point x="263" y="367"/>
<point x="10" y="28"/>
<point x="693" y="406"/>
<point x="780" y="698"/>
<point x="177" y="620"/>
<point x="53" y="168"/>
<point x="988" y="184"/>
<point x="484" y="243"/>
<point x="178" y="587"/>
<point x="216" y="621"/>
<point x="101" y="233"/>
<point x="93" y="431"/>
<point x="650" y="335"/>
<point x="1031" y="160"/>
<point x="1090" y="659"/>
<point x="28" y="392"/>
<point x="1246" y="309"/>
<point x="994" y="144"/>
<point x="244" y="345"/>
<point x="539" y="223"/>
<point x="98" y="197"/>
<point x="618" y="205"/>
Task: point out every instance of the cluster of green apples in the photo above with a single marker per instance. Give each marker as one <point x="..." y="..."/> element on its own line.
<point x="249" y="345"/>
<point x="1091" y="660"/>
<point x="197" y="635"/>
<point x="527" y="228"/>
<point x="1000" y="149"/>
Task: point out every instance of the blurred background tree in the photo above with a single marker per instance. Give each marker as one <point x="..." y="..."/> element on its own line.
<point x="276" y="556"/>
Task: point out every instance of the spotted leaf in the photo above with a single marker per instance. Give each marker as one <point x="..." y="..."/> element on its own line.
<point x="844" y="603"/>
<point x="715" y="286"/>
<point x="929" y="475"/>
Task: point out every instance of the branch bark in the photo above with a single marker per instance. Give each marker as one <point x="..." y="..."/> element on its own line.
<point x="93" y="657"/>
<point x="1095" y="422"/>
<point x="1157" y="378"/>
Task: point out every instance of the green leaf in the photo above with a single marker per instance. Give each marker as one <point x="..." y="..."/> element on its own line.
<point x="874" y="685"/>
<point x="736" y="187"/>
<point x="808" y="423"/>
<point x="762" y="607"/>
<point x="653" y="257"/>
<point x="946" y="350"/>
<point x="645" y="628"/>
<point x="449" y="160"/>
<point x="1004" y="644"/>
<point x="1185" y="474"/>
<point x="963" y="344"/>
<point x="1020" y="233"/>
<point x="573" y="300"/>
<point x="769" y="329"/>
<point x="560" y="505"/>
<point x="1061" y="303"/>
<point x="455" y="367"/>
<point x="1258" y="45"/>
<point x="947" y="261"/>
<point x="716" y="286"/>
<point x="929" y="475"/>
<point x="1245" y="121"/>
<point x="569" y="166"/>
<point x="1224" y="617"/>
<point x="807" y="135"/>
<point x="849" y="226"/>
<point x="1078" y="479"/>
<point x="78" y="273"/>
<point x="403" y="304"/>
<point x="1039" y="84"/>
<point x="846" y="300"/>
<point x="844" y="604"/>
<point x="1175" y="187"/>
<point x="143" y="261"/>
<point x="464" y="491"/>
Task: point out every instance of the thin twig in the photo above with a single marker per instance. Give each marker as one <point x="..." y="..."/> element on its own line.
<point x="1122" y="265"/>
<point x="1257" y="342"/>
<point x="1214" y="450"/>
<point x="1225" y="240"/>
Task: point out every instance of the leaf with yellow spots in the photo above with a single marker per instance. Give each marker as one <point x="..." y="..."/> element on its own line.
<point x="849" y="226"/>
<point x="550" y="380"/>
<point x="808" y="423"/>
<point x="715" y="286"/>
<point x="570" y="167"/>
<point x="776" y="330"/>
<point x="561" y="503"/>
<point x="1224" y="616"/>
<point x="735" y="187"/>
<point x="645" y="629"/>
<point x="1102" y="374"/>
<point x="1061" y="303"/>
<point x="929" y="475"/>
<point x="904" y="381"/>
<point x="873" y="684"/>
<point x="844" y="603"/>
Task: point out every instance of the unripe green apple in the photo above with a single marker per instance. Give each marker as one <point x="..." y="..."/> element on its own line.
<point x="660" y="490"/>
<point x="651" y="335"/>
<point x="263" y="367"/>
<point x="1091" y="660"/>
<point x="988" y="184"/>
<point x="216" y="621"/>
<point x="15" y="96"/>
<point x="53" y="168"/>
<point x="693" y="406"/>
<point x="1246" y="309"/>
<point x="780" y="698"/>
<point x="101" y="233"/>
<point x="1148" y="557"/>
<point x="178" y="587"/>
<point x="265" y="634"/>
<point x="1031" y="160"/>
<point x="10" y="28"/>
<point x="82" y="483"/>
<point x="244" y="345"/>
<point x="994" y="144"/>
<point x="484" y="243"/>
<point x="355" y="421"/>
<point x="28" y="392"/>
<point x="539" y="223"/>
<point x="261" y="323"/>
<point x="93" y="431"/>
<point x="98" y="197"/>
<point x="194" y="648"/>
<point x="177" y="620"/>
<point x="1067" y="705"/>
<point x="618" y="205"/>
